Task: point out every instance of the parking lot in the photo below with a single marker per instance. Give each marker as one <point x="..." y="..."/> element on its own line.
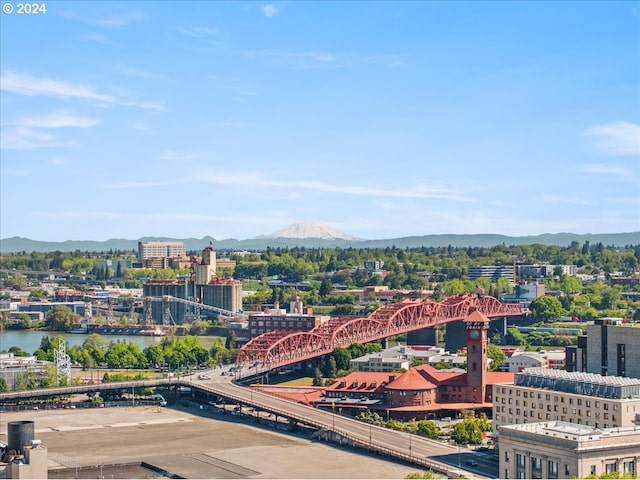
<point x="192" y="446"/>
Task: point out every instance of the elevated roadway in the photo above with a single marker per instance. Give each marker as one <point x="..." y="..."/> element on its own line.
<point x="420" y="451"/>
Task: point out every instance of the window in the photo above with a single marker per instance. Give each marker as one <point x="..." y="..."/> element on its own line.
<point x="506" y="456"/>
<point x="521" y="464"/>
<point x="593" y="469"/>
<point x="536" y="467"/>
<point x="610" y="467"/>
<point x="629" y="467"/>
<point x="552" y="469"/>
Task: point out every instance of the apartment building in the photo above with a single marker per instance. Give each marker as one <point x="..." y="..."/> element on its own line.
<point x="540" y="394"/>
<point x="493" y="272"/>
<point x="148" y="250"/>
<point x="608" y="348"/>
<point x="556" y="449"/>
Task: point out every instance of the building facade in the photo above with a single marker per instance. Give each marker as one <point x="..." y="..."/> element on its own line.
<point x="541" y="394"/>
<point x="554" y="450"/>
<point x="493" y="272"/>
<point x="148" y="250"/>
<point x="278" y="320"/>
<point x="608" y="348"/>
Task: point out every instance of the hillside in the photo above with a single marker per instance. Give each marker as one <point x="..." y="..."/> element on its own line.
<point x="19" y="244"/>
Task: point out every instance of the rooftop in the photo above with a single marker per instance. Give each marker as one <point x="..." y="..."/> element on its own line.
<point x="590" y="384"/>
<point x="572" y="431"/>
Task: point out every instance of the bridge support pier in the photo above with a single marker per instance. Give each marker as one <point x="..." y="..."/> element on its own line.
<point x="424" y="336"/>
<point x="455" y="337"/>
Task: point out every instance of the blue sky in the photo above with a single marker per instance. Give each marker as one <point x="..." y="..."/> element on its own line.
<point x="381" y="119"/>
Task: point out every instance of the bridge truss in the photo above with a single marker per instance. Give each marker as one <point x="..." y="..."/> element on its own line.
<point x="277" y="349"/>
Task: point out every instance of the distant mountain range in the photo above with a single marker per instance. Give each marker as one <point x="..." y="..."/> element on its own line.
<point x="315" y="235"/>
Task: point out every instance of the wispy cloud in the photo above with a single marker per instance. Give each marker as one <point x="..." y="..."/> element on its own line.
<point x="59" y="162"/>
<point x="172" y="156"/>
<point x="15" y="172"/>
<point x="97" y="38"/>
<point x="135" y="72"/>
<point x="229" y="124"/>
<point x="260" y="180"/>
<point x="198" y="32"/>
<point x="59" y="119"/>
<point x="620" y="138"/>
<point x="116" y="20"/>
<point x="141" y="127"/>
<point x="604" y="170"/>
<point x="22" y="138"/>
<point x="25" y="84"/>
<point x="269" y="10"/>
<point x="31" y="86"/>
<point x="564" y="200"/>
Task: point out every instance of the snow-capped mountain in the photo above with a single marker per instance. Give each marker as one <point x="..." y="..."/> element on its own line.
<point x="310" y="230"/>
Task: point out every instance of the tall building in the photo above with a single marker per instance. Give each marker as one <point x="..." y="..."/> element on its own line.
<point x="556" y="449"/>
<point x="149" y="250"/>
<point x="541" y="394"/>
<point x="493" y="272"/>
<point x="608" y="348"/>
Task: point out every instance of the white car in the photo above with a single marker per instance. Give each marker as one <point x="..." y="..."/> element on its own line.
<point x="204" y="376"/>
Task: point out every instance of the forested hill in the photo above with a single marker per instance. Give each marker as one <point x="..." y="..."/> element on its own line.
<point x="19" y="244"/>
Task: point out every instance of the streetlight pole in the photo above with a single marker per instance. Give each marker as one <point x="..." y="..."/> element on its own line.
<point x="410" y="457"/>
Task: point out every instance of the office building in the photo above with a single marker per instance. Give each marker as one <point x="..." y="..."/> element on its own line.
<point x="541" y="394"/>
<point x="556" y="449"/>
<point x="492" y="272"/>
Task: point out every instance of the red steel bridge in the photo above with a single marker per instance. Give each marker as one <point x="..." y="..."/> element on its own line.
<point x="277" y="349"/>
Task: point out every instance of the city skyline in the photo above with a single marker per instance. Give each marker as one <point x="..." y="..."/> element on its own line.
<point x="380" y="119"/>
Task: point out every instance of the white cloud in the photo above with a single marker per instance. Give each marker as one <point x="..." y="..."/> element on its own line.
<point x="557" y="199"/>
<point x="110" y="21"/>
<point x="270" y="10"/>
<point x="135" y="72"/>
<point x="140" y="126"/>
<point x="59" y="162"/>
<point x="198" y="32"/>
<point x="620" y="138"/>
<point x="28" y="85"/>
<point x="15" y="172"/>
<point x="172" y="156"/>
<point x="259" y="180"/>
<point x="605" y="170"/>
<point x="97" y="38"/>
<point x="59" y="119"/>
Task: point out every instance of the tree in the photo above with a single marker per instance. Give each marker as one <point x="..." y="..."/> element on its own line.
<point x="546" y="308"/>
<point x="496" y="355"/>
<point x="231" y="340"/>
<point x="3" y="385"/>
<point x="317" y="378"/>
<point x="427" y="428"/>
<point x="342" y="357"/>
<point x="61" y="318"/>
<point x="467" y="431"/>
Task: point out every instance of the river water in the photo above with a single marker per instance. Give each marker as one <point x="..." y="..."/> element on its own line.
<point x="29" y="340"/>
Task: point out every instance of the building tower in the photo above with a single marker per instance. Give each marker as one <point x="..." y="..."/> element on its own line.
<point x="476" y="326"/>
<point x="207" y="267"/>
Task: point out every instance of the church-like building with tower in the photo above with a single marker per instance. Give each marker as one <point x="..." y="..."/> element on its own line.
<point x="422" y="391"/>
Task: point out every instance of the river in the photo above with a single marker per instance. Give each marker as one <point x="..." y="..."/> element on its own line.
<point x="29" y="340"/>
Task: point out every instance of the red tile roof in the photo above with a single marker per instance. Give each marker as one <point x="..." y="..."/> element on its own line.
<point x="411" y="380"/>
